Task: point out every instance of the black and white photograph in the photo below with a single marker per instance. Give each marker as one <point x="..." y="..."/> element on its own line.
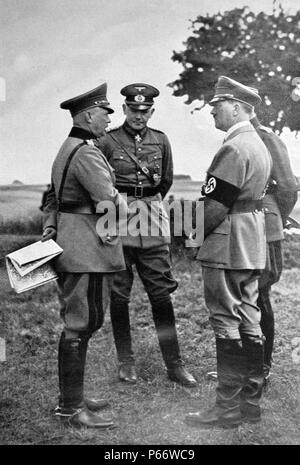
<point x="149" y="225"/>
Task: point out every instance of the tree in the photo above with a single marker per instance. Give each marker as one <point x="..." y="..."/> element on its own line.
<point x="261" y="51"/>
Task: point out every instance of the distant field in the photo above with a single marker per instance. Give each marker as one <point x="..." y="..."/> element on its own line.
<point x="19" y="209"/>
<point x="19" y="201"/>
<point x="23" y="201"/>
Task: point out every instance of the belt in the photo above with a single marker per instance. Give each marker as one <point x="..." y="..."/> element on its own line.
<point x="246" y="206"/>
<point x="80" y="209"/>
<point x="138" y="191"/>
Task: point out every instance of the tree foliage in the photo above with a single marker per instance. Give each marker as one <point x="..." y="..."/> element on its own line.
<point x="260" y="50"/>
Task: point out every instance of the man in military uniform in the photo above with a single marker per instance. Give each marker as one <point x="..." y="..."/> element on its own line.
<point x="232" y="255"/>
<point x="142" y="159"/>
<point x="81" y="179"/>
<point x="278" y="203"/>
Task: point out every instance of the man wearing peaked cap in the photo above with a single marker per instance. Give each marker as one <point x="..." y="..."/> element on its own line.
<point x="142" y="159"/>
<point x="81" y="179"/>
<point x="232" y="256"/>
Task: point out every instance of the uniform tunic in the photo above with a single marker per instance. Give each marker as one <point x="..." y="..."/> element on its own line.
<point x="235" y="251"/>
<point x="278" y="203"/>
<point x="87" y="264"/>
<point x="153" y="150"/>
<point x="151" y="257"/>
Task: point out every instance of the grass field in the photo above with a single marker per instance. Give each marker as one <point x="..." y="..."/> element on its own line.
<point x="152" y="411"/>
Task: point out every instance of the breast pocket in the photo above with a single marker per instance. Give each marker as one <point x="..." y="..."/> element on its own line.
<point x="216" y="247"/>
<point x="121" y="162"/>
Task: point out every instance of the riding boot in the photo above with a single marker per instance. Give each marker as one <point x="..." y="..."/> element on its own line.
<point x="119" y="313"/>
<point x="94" y="405"/>
<point x="267" y="325"/>
<point x="164" y="320"/>
<point x="254" y="378"/>
<point x="230" y="367"/>
<point x="72" y="409"/>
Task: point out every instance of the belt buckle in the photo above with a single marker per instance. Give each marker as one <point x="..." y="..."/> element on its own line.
<point x="138" y="196"/>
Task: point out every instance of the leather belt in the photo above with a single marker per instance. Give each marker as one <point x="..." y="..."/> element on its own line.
<point x="80" y="209"/>
<point x="246" y="206"/>
<point x="138" y="191"/>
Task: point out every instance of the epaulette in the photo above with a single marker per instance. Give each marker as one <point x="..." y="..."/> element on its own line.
<point x="266" y="129"/>
<point x="113" y="129"/>
<point x="156" y="130"/>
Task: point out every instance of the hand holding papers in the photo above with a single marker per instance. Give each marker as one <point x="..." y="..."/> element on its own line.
<point x="29" y="267"/>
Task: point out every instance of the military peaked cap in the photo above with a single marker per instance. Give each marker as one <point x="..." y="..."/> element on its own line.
<point x="229" y="89"/>
<point x="93" y="98"/>
<point x="140" y="95"/>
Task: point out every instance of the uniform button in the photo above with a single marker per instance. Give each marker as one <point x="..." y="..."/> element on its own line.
<point x="139" y="172"/>
<point x="155" y="157"/>
<point x="121" y="156"/>
<point x="139" y="149"/>
<point x="140" y="182"/>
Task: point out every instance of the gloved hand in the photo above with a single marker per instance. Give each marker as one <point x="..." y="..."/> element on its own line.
<point x="49" y="233"/>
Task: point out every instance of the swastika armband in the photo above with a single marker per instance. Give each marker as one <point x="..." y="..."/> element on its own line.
<point x="220" y="190"/>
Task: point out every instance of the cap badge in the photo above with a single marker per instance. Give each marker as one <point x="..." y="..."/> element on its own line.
<point x="98" y="102"/>
<point x="140" y="88"/>
<point x="139" y="98"/>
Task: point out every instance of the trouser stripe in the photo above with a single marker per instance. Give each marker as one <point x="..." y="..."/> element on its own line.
<point x="95" y="301"/>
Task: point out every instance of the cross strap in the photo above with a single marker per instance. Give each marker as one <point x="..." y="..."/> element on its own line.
<point x="135" y="159"/>
<point x="65" y="171"/>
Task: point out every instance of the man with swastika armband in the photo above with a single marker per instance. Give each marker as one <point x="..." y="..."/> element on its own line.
<point x="232" y="257"/>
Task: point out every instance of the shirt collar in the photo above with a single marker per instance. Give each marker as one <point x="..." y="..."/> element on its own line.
<point x="241" y="124"/>
<point x="132" y="131"/>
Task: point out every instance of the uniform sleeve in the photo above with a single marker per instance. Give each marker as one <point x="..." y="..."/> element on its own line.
<point x="50" y="209"/>
<point x="286" y="184"/>
<point x="226" y="176"/>
<point x="167" y="168"/>
<point x="93" y="173"/>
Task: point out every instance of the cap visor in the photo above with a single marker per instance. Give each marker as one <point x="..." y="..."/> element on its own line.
<point x="138" y="106"/>
<point x="215" y="100"/>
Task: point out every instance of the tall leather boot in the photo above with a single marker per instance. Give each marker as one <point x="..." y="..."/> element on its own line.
<point x="94" y="405"/>
<point x="267" y="325"/>
<point x="230" y="366"/>
<point x="119" y="313"/>
<point x="164" y="320"/>
<point x="72" y="409"/>
<point x="254" y="378"/>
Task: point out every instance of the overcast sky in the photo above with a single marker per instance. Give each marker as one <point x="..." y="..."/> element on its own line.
<point x="52" y="50"/>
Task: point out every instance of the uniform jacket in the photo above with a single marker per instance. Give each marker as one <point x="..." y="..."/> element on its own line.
<point x="279" y="204"/>
<point x="239" y="242"/>
<point x="153" y="150"/>
<point x="89" y="179"/>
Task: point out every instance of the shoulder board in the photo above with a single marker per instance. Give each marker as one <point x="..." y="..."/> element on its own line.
<point x="266" y="129"/>
<point x="156" y="130"/>
<point x="113" y="129"/>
